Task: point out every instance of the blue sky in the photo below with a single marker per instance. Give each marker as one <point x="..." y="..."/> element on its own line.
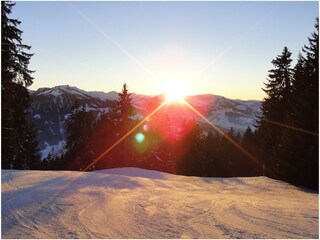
<point x="224" y="48"/>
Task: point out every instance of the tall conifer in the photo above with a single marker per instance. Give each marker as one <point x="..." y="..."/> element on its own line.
<point x="302" y="148"/>
<point x="275" y="108"/>
<point x="15" y="77"/>
<point x="122" y="114"/>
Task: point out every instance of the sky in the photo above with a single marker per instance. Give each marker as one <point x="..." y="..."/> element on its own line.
<point x="222" y="48"/>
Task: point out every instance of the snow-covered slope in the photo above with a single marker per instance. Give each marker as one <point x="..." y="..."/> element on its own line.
<point x="136" y="203"/>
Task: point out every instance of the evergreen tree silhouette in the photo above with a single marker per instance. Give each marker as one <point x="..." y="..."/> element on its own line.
<point x="212" y="144"/>
<point x="190" y="151"/>
<point x="249" y="144"/>
<point x="274" y="109"/>
<point x="302" y="149"/>
<point x="79" y="152"/>
<point x="30" y="154"/>
<point x="122" y="113"/>
<point x="15" y="77"/>
<point x="103" y="136"/>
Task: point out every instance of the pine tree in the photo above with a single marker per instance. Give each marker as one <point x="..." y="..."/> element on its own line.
<point x="123" y="110"/>
<point x="311" y="110"/>
<point x="212" y="144"/>
<point x="103" y="136"/>
<point x="189" y="151"/>
<point x="15" y="77"/>
<point x="79" y="130"/>
<point x="228" y="155"/>
<point x="122" y="114"/>
<point x="274" y="109"/>
<point x="303" y="148"/>
<point x="247" y="139"/>
<point x="312" y="81"/>
<point x="14" y="59"/>
<point x="249" y="143"/>
<point x="32" y="150"/>
<point x="278" y="88"/>
<point x="28" y="157"/>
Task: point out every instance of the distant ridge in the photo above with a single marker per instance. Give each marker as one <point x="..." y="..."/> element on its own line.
<point x="50" y="108"/>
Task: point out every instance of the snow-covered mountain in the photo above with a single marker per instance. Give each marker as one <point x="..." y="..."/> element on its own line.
<point x="226" y="113"/>
<point x="137" y="203"/>
<point x="51" y="107"/>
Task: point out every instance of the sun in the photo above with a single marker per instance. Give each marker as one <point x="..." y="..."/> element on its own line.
<point x="176" y="91"/>
<point x="175" y="95"/>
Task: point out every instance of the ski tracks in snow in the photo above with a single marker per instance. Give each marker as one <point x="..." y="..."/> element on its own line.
<point x="135" y="203"/>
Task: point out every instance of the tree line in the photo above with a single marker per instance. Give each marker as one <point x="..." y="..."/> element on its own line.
<point x="284" y="144"/>
<point x="159" y="144"/>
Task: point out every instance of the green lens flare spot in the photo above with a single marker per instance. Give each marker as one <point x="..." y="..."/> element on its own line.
<point x="139" y="137"/>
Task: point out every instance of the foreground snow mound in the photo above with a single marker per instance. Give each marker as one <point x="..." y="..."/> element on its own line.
<point x="136" y="203"/>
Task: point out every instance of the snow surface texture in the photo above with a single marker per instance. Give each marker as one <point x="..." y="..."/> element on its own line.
<point x="136" y="203"/>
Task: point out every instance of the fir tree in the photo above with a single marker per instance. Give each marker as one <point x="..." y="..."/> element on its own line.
<point x="122" y="114"/>
<point x="15" y="77"/>
<point x="28" y="157"/>
<point x="79" y="130"/>
<point x="123" y="110"/>
<point x="103" y="136"/>
<point x="274" y="109"/>
<point x="212" y="146"/>
<point x="228" y="155"/>
<point x="302" y="148"/>
<point x="190" y="151"/>
<point x="249" y="144"/>
<point x="247" y="139"/>
<point x="14" y="59"/>
<point x="312" y="81"/>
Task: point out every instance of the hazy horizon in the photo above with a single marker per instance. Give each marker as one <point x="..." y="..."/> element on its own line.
<point x="151" y="95"/>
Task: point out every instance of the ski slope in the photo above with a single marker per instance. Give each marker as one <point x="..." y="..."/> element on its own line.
<point x="136" y="203"/>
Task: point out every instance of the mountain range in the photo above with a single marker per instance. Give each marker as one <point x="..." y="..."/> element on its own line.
<point x="50" y="108"/>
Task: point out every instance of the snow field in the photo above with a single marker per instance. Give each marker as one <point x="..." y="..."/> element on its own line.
<point x="136" y="203"/>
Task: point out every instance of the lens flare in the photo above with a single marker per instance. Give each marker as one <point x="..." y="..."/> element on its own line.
<point x="145" y="127"/>
<point x="139" y="137"/>
<point x="249" y="155"/>
<point x="124" y="136"/>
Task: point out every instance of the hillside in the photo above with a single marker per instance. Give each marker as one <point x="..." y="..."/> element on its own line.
<point x="136" y="203"/>
<point x="50" y="109"/>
